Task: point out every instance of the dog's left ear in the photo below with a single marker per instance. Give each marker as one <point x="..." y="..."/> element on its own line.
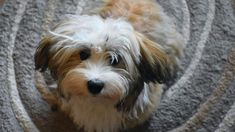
<point x="155" y="64"/>
<point x="41" y="57"/>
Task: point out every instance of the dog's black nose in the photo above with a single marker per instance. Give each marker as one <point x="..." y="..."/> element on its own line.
<point x="95" y="86"/>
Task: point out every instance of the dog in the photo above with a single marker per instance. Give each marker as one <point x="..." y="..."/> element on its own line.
<point x="110" y="66"/>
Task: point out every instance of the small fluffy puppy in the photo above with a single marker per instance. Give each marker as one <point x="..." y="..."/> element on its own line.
<point x="110" y="66"/>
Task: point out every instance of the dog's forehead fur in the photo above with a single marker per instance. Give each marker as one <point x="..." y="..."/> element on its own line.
<point x="96" y="32"/>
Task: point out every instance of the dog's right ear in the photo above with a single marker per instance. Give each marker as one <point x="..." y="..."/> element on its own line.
<point x="155" y="64"/>
<point x="41" y="57"/>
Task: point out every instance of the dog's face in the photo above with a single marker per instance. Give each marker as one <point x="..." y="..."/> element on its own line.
<point x="98" y="58"/>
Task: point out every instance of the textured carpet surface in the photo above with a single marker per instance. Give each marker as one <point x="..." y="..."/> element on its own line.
<point x="202" y="98"/>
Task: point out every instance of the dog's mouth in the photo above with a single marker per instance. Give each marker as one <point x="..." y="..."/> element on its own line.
<point x="103" y="95"/>
<point x="98" y="99"/>
<point x="110" y="97"/>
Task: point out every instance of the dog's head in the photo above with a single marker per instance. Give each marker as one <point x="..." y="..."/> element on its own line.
<point x="102" y="58"/>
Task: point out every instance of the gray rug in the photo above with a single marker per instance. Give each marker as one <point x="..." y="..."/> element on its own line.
<point x="201" y="98"/>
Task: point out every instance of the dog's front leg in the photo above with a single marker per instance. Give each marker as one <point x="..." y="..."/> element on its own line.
<point x="51" y="97"/>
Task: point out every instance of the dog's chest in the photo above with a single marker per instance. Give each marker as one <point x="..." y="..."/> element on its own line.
<point x="93" y="115"/>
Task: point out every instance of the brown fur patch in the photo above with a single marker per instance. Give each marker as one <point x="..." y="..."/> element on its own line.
<point x="143" y="14"/>
<point x="62" y="67"/>
<point x="74" y="84"/>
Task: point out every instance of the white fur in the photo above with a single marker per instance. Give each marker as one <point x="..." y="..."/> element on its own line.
<point x="94" y="114"/>
<point x="100" y="115"/>
<point x="93" y="31"/>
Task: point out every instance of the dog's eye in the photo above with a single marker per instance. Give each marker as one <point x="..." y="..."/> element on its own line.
<point x="84" y="54"/>
<point x="114" y="60"/>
